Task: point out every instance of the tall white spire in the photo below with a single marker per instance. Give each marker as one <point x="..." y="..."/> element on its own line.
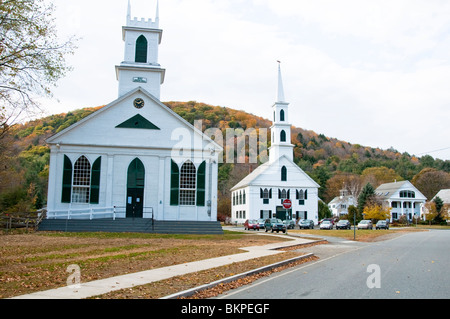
<point x="129" y="12"/>
<point x="157" y="14"/>
<point x="280" y="85"/>
<point x="281" y="129"/>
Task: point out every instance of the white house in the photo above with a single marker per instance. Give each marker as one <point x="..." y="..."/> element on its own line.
<point x="404" y="199"/>
<point x="340" y="204"/>
<point x="261" y="193"/>
<point x="135" y="157"/>
<point x="444" y="194"/>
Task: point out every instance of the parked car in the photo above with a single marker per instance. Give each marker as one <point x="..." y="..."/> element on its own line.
<point x="290" y="224"/>
<point x="274" y="224"/>
<point x="343" y="224"/>
<point x="329" y="219"/>
<point x="251" y="224"/>
<point x="365" y="224"/>
<point x="261" y="223"/>
<point x="326" y="224"/>
<point x="306" y="224"/>
<point x="382" y="224"/>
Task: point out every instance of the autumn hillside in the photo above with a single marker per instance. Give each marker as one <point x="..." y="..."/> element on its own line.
<point x="24" y="158"/>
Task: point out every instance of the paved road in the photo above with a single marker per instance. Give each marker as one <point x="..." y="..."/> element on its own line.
<point x="415" y="265"/>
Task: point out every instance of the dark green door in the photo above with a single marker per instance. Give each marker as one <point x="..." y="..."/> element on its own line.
<point x="281" y="213"/>
<point x="135" y="189"/>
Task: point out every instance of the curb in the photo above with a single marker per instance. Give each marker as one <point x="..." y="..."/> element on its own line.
<point x="192" y="291"/>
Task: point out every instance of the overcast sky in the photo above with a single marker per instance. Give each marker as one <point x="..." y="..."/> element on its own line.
<point x="372" y="72"/>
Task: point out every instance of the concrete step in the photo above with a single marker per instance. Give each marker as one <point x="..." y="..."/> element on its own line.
<point x="131" y="226"/>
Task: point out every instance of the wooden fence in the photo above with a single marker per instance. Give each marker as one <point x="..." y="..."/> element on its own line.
<point x="28" y="220"/>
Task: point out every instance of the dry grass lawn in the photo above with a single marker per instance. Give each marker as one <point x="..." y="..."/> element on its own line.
<point x="38" y="261"/>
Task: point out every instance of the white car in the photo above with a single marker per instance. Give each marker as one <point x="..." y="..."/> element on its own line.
<point x="365" y="224"/>
<point x="326" y="224"/>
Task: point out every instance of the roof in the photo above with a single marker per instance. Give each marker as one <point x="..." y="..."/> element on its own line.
<point x="386" y="191"/>
<point x="251" y="178"/>
<point x="444" y="194"/>
<point x="341" y="199"/>
<point x="55" y="138"/>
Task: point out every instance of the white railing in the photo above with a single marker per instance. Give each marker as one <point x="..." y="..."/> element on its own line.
<point x="82" y="213"/>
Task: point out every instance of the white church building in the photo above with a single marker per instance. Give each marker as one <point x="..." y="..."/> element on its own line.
<point x="260" y="194"/>
<point x="134" y="158"/>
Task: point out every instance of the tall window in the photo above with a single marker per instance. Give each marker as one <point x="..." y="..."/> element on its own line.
<point x="188" y="177"/>
<point x="81" y="181"/>
<point x="282" y="115"/>
<point x="265" y="196"/>
<point x="141" y="49"/>
<point x="81" y="184"/>
<point x="283" y="136"/>
<point x="284" y="174"/>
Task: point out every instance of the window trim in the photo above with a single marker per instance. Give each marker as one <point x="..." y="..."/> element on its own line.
<point x="141" y="54"/>
<point x="188" y="184"/>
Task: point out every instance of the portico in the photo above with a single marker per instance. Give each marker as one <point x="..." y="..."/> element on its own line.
<point x="403" y="198"/>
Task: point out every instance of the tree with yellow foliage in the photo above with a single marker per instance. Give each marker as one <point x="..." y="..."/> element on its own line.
<point x="377" y="212"/>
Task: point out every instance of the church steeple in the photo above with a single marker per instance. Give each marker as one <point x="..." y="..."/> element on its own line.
<point x="280" y="84"/>
<point x="140" y="67"/>
<point x="281" y="129"/>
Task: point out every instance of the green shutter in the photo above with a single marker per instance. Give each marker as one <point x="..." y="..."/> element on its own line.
<point x="95" y="181"/>
<point x="67" y="181"/>
<point x="201" y="181"/>
<point x="174" y="184"/>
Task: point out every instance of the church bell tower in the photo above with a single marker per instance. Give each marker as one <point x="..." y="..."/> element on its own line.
<point x="281" y="129"/>
<point x="140" y="67"/>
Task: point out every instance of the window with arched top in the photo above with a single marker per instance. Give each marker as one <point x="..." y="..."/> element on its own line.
<point x="282" y="115"/>
<point x="283" y="136"/>
<point x="284" y="174"/>
<point x="81" y="182"/>
<point x="188" y="184"/>
<point x="141" y="49"/>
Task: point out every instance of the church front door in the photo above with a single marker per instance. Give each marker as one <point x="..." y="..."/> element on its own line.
<point x="135" y="203"/>
<point x="135" y="189"/>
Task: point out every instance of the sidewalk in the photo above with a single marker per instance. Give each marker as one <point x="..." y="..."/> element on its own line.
<point x="98" y="287"/>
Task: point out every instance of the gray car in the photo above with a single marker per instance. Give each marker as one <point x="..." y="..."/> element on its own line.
<point x="343" y="224"/>
<point x="382" y="224"/>
<point x="306" y="224"/>
<point x="274" y="224"/>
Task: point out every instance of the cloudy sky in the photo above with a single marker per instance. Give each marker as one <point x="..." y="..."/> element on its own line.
<point x="372" y="72"/>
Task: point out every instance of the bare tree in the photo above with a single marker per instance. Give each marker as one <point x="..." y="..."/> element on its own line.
<point x="32" y="59"/>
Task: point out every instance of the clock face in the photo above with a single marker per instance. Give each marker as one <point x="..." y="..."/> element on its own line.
<point x="138" y="103"/>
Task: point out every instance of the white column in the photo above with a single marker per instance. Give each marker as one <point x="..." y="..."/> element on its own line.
<point x="159" y="213"/>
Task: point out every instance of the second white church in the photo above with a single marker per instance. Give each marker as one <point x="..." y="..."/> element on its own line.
<point x="260" y="194"/>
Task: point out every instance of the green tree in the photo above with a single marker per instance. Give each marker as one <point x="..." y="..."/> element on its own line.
<point x="324" y="211"/>
<point x="353" y="214"/>
<point x="366" y="197"/>
<point x="439" y="204"/>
